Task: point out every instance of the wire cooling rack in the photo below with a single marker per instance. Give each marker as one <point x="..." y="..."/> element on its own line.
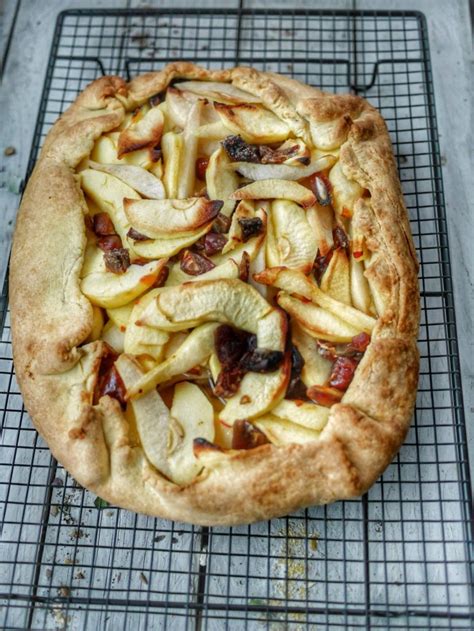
<point x="397" y="558"/>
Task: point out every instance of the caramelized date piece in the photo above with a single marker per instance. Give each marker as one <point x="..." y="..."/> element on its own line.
<point x="342" y="373"/>
<point x="201" y="168"/>
<point x="341" y="240"/>
<point x="244" y="267"/>
<point x="117" y="261"/>
<point x="102" y="225"/>
<point x="240" y="151"/>
<point x="360" y="342"/>
<point x="296" y="388"/>
<point x="221" y="224"/>
<point x="213" y="243"/>
<point x="250" y="227"/>
<point x="231" y="344"/>
<point x="137" y="236"/>
<point x="112" y="242"/>
<point x="322" y="395"/>
<point x="321" y="264"/>
<point x="109" y="381"/>
<point x="228" y="381"/>
<point x="247" y="436"/>
<point x="195" y="264"/>
<point x="262" y="360"/>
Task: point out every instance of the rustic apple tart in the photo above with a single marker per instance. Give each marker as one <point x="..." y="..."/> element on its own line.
<point x="214" y="294"/>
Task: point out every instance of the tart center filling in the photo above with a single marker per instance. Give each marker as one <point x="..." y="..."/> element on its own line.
<point x="226" y="274"/>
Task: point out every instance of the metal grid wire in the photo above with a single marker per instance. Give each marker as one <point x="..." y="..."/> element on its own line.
<point x="397" y="558"/>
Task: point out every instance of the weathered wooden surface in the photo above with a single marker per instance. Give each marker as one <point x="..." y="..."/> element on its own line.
<point x="321" y="558"/>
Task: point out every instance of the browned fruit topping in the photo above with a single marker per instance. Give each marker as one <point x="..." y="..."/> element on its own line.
<point x="195" y="264"/>
<point x="323" y="395"/>
<point x="111" y="242"/>
<point x="117" y="261"/>
<point x="247" y="436"/>
<point x="250" y="227"/>
<point x="102" y="225"/>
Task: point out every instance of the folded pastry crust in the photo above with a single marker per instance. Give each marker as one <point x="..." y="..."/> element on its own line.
<point x="51" y="319"/>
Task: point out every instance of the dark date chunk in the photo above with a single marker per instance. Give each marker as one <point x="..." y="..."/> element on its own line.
<point x="117" y="261"/>
<point x="250" y="227"/>
<point x="323" y="395"/>
<point x="112" y="242"/>
<point x="109" y="381"/>
<point x="228" y="381"/>
<point x="296" y="388"/>
<point x="221" y="224"/>
<point x="231" y="344"/>
<point x="341" y="240"/>
<point x="321" y="264"/>
<point x="201" y="168"/>
<point x="137" y="236"/>
<point x="244" y="267"/>
<point x="342" y="372"/>
<point x="240" y="151"/>
<point x="102" y="225"/>
<point x="213" y="243"/>
<point x="262" y="360"/>
<point x="195" y="264"/>
<point x="247" y="436"/>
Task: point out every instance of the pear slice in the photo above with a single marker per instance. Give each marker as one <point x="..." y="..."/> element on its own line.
<point x="303" y="413"/>
<point x="281" y="432"/>
<point x="295" y="282"/>
<point x="120" y="316"/>
<point x="295" y="241"/>
<point x="160" y="218"/>
<point x="113" y="336"/>
<point x="344" y="193"/>
<point x="144" y="340"/>
<point x="253" y="122"/>
<point x="108" y="192"/>
<point x="172" y="147"/>
<point x="221" y="92"/>
<point x="137" y="178"/>
<point x="228" y="269"/>
<point x="320" y="323"/>
<point x="215" y="366"/>
<point x="195" y="419"/>
<point x="255" y="171"/>
<point x="321" y="219"/>
<point x="227" y="300"/>
<point x="144" y="131"/>
<point x="212" y="131"/>
<point x="106" y="289"/>
<point x="257" y="266"/>
<point x="194" y="351"/>
<point x="187" y="173"/>
<point x="259" y="392"/>
<point x="178" y="106"/>
<point x="221" y="180"/>
<point x="276" y="189"/>
<point x="152" y="417"/>
<point x="272" y="254"/>
<point x="105" y="152"/>
<point x="165" y="248"/>
<point x="93" y="262"/>
<point x="336" y="280"/>
<point x="316" y="369"/>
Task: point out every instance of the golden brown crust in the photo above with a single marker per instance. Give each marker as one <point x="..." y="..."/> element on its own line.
<point x="51" y="318"/>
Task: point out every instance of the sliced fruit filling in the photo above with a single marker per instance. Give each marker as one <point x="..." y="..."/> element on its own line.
<point x="226" y="276"/>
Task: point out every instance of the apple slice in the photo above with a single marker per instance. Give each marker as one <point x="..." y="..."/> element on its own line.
<point x="295" y="241"/>
<point x="272" y="254"/>
<point x="165" y="248"/>
<point x="178" y="106"/>
<point x="161" y="218"/>
<point x="137" y="178"/>
<point x="97" y="324"/>
<point x="228" y="269"/>
<point x="105" y="152"/>
<point x="295" y="282"/>
<point x="303" y="413"/>
<point x="108" y="192"/>
<point x="276" y="189"/>
<point x="194" y="351"/>
<point x="320" y="323"/>
<point x="221" y="181"/>
<point x="245" y="210"/>
<point x="187" y="173"/>
<point x="93" y="262"/>
<point x="120" y="316"/>
<point x="281" y="432"/>
<point x="227" y="300"/>
<point x="215" y="366"/>
<point x="316" y="369"/>
<point x="194" y="418"/>
<point x="113" y="336"/>
<point x="321" y="219"/>
<point x="106" y="289"/>
<point x="144" y="340"/>
<point x="285" y="171"/>
<point x="144" y="131"/>
<point x="257" y="266"/>
<point x="253" y="122"/>
<point x="344" y="193"/>
<point x="215" y="91"/>
<point x="172" y="147"/>
<point x="212" y="131"/>
<point x="336" y="280"/>
<point x="360" y="291"/>
<point x="152" y="417"/>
